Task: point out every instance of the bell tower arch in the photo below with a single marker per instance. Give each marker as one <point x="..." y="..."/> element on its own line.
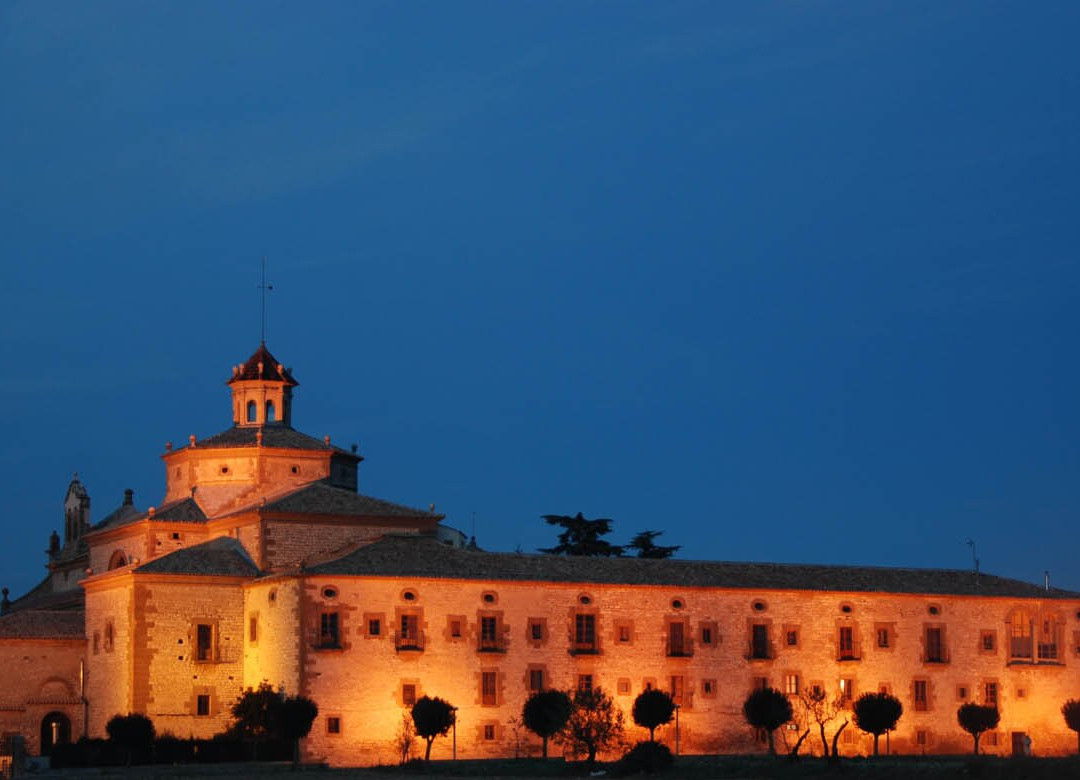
<point x="262" y="391"/>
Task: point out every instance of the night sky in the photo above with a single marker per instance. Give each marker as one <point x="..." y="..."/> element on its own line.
<point x="787" y="281"/>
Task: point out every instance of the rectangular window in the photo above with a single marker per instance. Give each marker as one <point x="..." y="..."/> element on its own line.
<point x="759" y="641"/>
<point x="202" y="704"/>
<point x="990" y="738"/>
<point x="883" y="637"/>
<point x="97" y="642"/>
<point x="935" y="646"/>
<point x="489" y="732"/>
<point x="409" y="636"/>
<point x="408" y="694"/>
<point x="455" y="629"/>
<point x="584" y="682"/>
<point x="253" y="629"/>
<point x="488" y="690"/>
<point x="204" y="642"/>
<point x="374" y="627"/>
<point x="536" y="680"/>
<point x="677" y="644"/>
<point x="847" y="689"/>
<point x="791" y="684"/>
<point x="708" y="687"/>
<point x="624" y="686"/>
<point x="921" y="698"/>
<point x="988" y="641"/>
<point x="107" y="644"/>
<point x="1048" y="641"/>
<point x="585" y="633"/>
<point x="706" y="635"/>
<point x="961" y="692"/>
<point x="536" y="629"/>
<point x="846" y="643"/>
<point x="678" y="689"/>
<point x="759" y="682"/>
<point x="792" y="637"/>
<point x="489" y="633"/>
<point x="624" y="634"/>
<point x="333" y="725"/>
<point x="328" y="630"/>
<point x="920" y="738"/>
<point x="990" y="694"/>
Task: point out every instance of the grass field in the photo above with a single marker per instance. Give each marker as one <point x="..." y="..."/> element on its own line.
<point x="690" y="767"/>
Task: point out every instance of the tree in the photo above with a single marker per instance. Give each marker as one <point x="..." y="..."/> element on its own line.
<point x="975" y="719"/>
<point x="653" y="708"/>
<point x="646" y="548"/>
<point x="433" y="718"/>
<point x="546" y="713"/>
<point x="295" y="716"/>
<point x="820" y="709"/>
<point x="1071" y="712"/>
<point x="406" y="735"/>
<point x="255" y="715"/>
<point x="769" y="709"/>
<point x="581" y="536"/>
<point x="876" y="713"/>
<point x="595" y="724"/>
<point x="134" y="733"/>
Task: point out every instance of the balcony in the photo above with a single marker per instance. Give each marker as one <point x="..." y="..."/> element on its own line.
<point x="412" y="641"/>
<point x="679" y="648"/>
<point x="491" y="644"/>
<point x="760" y="651"/>
<point x="584" y="648"/>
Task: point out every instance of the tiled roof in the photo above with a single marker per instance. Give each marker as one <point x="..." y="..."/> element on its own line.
<point x="43" y="624"/>
<point x="221" y="557"/>
<point x="322" y="498"/>
<point x="274" y="435"/>
<point x="183" y="510"/>
<point x="272" y="370"/>
<point x="418" y="556"/>
<point x="42" y="596"/>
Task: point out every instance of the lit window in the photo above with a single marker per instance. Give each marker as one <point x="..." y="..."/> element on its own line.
<point x="791" y="684"/>
<point x="847" y="689"/>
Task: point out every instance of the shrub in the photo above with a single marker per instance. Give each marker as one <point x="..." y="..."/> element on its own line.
<point x="134" y="734"/>
<point x="975" y="719"/>
<point x="645" y="757"/>
<point x="545" y="714"/>
<point x="653" y="708"/>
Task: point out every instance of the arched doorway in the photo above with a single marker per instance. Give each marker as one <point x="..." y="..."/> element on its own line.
<point x="55" y="730"/>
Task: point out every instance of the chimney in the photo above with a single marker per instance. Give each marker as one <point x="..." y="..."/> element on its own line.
<point x="5" y="603"/>
<point x="129" y="496"/>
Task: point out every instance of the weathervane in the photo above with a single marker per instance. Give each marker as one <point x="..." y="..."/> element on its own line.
<point x="265" y="289"/>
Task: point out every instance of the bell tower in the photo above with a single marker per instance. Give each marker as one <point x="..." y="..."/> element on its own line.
<point x="262" y="391"/>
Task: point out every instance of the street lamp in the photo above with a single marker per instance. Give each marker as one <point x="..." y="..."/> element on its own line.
<point x="454" y="710"/>
<point x="676" y="729"/>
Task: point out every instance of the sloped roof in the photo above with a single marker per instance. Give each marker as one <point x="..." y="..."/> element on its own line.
<point x="322" y="498"/>
<point x="221" y="557"/>
<point x="273" y="435"/>
<point x="183" y="510"/>
<point x="43" y="624"/>
<point x="42" y="596"/>
<point x="272" y="370"/>
<point x="422" y="556"/>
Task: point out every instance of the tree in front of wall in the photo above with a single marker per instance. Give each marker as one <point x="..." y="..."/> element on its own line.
<point x="595" y="724"/>
<point x="405" y="737"/>
<point x="433" y="718"/>
<point x="263" y="715"/>
<point x="295" y="717"/>
<point x="134" y="734"/>
<point x="876" y="713"/>
<point x="821" y="709"/>
<point x="767" y="709"/>
<point x="975" y="719"/>
<point x="653" y="708"/>
<point x="1070" y="710"/>
<point x="545" y="714"/>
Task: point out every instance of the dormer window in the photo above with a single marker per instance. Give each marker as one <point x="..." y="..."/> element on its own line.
<point x="252" y="411"/>
<point x="270" y="411"/>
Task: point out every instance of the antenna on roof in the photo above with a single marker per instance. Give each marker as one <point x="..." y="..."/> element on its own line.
<point x="265" y="288"/>
<point x="974" y="562"/>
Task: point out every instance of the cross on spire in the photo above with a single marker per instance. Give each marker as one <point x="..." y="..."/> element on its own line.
<point x="265" y="288"/>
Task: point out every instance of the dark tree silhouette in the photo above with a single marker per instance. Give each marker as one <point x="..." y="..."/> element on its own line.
<point x="545" y="714"/>
<point x="876" y="713"/>
<point x="134" y="733"/>
<point x="975" y="719"/>
<point x="295" y="716"/>
<point x="653" y="708"/>
<point x="769" y="709"/>
<point x="581" y="536"/>
<point x="595" y="724"/>
<point x="645" y="547"/>
<point x="822" y="710"/>
<point x="433" y="718"/>
<point x="255" y="716"/>
<point x="1070" y="710"/>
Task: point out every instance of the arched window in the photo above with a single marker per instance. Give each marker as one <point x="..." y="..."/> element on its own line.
<point x="117" y="560"/>
<point x="269" y="411"/>
<point x="1020" y="643"/>
<point x="55" y="730"/>
<point x="253" y="410"/>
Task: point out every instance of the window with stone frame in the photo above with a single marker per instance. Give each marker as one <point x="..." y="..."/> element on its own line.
<point x="490" y="634"/>
<point x="845" y="643"/>
<point x="373" y="624"/>
<point x="884" y="636"/>
<point x="921" y="694"/>
<point x="489" y="688"/>
<point x="759" y="642"/>
<point x="708" y="687"/>
<point x="333" y="724"/>
<point x="536" y="631"/>
<point x="990" y="693"/>
<point x="109" y="636"/>
<point x="536" y="677"/>
<point x="677" y="690"/>
<point x="624" y="632"/>
<point x="791" y="684"/>
<point x="988" y="641"/>
<point x="584" y="682"/>
<point x="585" y="633"/>
<point x="623" y="686"/>
<point x="847" y="690"/>
<point x="934" y="649"/>
<point x="678" y="639"/>
<point x="1048" y="637"/>
<point x="329" y="629"/>
<point x="409" y="635"/>
<point x="204" y="642"/>
<point x="202" y="704"/>
<point x="253" y="629"/>
<point x="708" y="633"/>
<point x="408" y="694"/>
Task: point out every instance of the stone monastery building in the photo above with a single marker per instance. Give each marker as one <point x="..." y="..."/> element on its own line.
<point x="263" y="562"/>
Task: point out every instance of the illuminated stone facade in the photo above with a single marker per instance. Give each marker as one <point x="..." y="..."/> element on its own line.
<point x="264" y="563"/>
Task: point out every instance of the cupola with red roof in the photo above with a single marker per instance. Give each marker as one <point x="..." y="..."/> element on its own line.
<point x="262" y="390"/>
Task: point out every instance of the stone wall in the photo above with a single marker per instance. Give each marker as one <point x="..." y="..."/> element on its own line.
<point x="39" y="677"/>
<point x="360" y="682"/>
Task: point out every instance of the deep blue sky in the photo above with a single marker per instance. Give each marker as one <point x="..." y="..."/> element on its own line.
<point x="789" y="281"/>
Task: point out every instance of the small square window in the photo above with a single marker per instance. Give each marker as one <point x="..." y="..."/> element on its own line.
<point x="584" y="682"/>
<point x="792" y="638"/>
<point x="708" y="687"/>
<point x="536" y="629"/>
<point x="333" y="725"/>
<point x="624" y="686"/>
<point x="374" y="627"/>
<point x="202" y="704"/>
<point x="961" y="692"/>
